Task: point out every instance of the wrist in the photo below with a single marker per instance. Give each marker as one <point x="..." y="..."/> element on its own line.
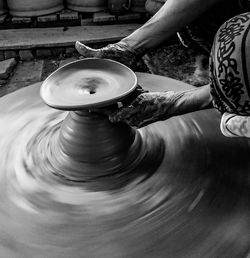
<point x="177" y="102"/>
<point x="166" y="104"/>
<point x="190" y="101"/>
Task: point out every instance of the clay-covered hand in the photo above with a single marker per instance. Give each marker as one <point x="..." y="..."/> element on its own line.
<point x="118" y="52"/>
<point x="146" y="108"/>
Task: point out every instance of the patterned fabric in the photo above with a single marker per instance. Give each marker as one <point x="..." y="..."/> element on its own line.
<point x="230" y="66"/>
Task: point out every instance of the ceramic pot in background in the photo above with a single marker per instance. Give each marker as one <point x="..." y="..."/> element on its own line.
<point x="153" y="6"/>
<point x="29" y="8"/>
<point x="87" y="5"/>
<point x="138" y="6"/>
<point x="119" y="6"/>
<point x="3" y="7"/>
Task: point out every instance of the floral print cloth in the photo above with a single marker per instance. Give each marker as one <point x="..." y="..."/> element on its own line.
<point x="230" y="75"/>
<point x="230" y="66"/>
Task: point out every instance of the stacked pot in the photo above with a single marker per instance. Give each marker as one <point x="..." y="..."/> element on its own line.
<point x="3" y="7"/>
<point x="99" y="5"/>
<point x="29" y="8"/>
<point x="138" y="6"/>
<point x="87" y="5"/>
<point x="153" y="6"/>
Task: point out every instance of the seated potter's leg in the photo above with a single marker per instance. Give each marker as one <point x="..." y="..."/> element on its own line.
<point x="230" y="75"/>
<point x="123" y="51"/>
<point x="171" y="17"/>
<point x="235" y="126"/>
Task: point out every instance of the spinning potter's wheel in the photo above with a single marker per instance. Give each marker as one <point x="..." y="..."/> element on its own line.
<point x="176" y="188"/>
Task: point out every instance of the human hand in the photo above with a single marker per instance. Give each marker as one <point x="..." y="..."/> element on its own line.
<point x="146" y="108"/>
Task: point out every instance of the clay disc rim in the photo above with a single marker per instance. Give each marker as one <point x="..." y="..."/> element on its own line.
<point x="88" y="83"/>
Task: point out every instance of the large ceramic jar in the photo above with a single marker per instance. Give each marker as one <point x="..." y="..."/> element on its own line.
<point x="138" y="6"/>
<point x="29" y="8"/>
<point x="87" y="5"/>
<point x="119" y="6"/>
<point x="153" y="6"/>
<point x="3" y="7"/>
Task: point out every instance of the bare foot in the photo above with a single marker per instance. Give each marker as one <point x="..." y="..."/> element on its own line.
<point x="117" y="52"/>
<point x="233" y="125"/>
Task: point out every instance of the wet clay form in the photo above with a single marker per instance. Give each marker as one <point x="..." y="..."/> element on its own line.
<point x="87" y="83"/>
<point x="75" y="185"/>
<point x="89" y="146"/>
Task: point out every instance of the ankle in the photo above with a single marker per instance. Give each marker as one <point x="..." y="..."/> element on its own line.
<point x="129" y="47"/>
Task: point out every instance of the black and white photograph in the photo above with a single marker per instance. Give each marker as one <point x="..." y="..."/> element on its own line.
<point x="125" y="129"/>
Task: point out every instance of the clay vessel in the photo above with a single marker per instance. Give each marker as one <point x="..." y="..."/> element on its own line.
<point x="87" y="5"/>
<point x="3" y="7"/>
<point x="138" y="6"/>
<point x="153" y="6"/>
<point x="29" y="8"/>
<point x="118" y="7"/>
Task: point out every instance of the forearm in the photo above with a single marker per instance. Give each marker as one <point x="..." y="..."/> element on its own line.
<point x="150" y="107"/>
<point x="193" y="100"/>
<point x="173" y="16"/>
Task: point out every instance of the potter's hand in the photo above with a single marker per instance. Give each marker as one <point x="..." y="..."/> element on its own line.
<point x="118" y="52"/>
<point x="130" y="98"/>
<point x="145" y="109"/>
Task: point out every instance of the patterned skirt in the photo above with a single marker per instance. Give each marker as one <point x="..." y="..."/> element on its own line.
<point x="230" y="66"/>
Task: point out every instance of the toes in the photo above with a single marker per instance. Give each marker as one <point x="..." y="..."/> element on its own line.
<point x="86" y="51"/>
<point x="81" y="48"/>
